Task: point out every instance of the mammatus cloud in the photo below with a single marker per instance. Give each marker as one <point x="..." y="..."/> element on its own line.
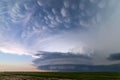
<point x="35" y="23"/>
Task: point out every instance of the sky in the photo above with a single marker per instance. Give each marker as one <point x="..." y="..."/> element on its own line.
<point x="59" y="35"/>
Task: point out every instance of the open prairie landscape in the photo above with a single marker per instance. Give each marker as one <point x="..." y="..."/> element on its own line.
<point x="59" y="39"/>
<point x="59" y="76"/>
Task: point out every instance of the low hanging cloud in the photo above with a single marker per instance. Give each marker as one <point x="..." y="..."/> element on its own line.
<point x="70" y="62"/>
<point x="114" y="57"/>
<point x="58" y="61"/>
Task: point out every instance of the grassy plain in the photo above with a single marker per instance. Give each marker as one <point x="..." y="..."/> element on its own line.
<point x="63" y="75"/>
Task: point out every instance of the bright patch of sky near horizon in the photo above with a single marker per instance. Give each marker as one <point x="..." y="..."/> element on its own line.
<point x="13" y="62"/>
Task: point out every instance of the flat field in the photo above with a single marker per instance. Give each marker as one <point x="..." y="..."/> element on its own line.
<point x="59" y="76"/>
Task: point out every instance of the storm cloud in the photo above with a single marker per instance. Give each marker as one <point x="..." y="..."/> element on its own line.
<point x="66" y="32"/>
<point x="60" y="61"/>
<point x="34" y="25"/>
<point x="114" y="57"/>
<point x="81" y="68"/>
<point x="70" y="62"/>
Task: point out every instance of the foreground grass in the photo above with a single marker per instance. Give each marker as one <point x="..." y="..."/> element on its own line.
<point x="73" y="75"/>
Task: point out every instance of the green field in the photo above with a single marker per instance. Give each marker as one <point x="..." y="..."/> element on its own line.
<point x="64" y="75"/>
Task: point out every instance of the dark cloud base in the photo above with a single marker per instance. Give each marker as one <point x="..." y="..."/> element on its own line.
<point x="71" y="62"/>
<point x="114" y="57"/>
<point x="81" y="68"/>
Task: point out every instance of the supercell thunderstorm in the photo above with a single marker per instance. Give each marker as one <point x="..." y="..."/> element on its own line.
<point x="54" y="27"/>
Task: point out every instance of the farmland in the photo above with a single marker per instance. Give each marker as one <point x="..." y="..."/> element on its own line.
<point x="59" y="76"/>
